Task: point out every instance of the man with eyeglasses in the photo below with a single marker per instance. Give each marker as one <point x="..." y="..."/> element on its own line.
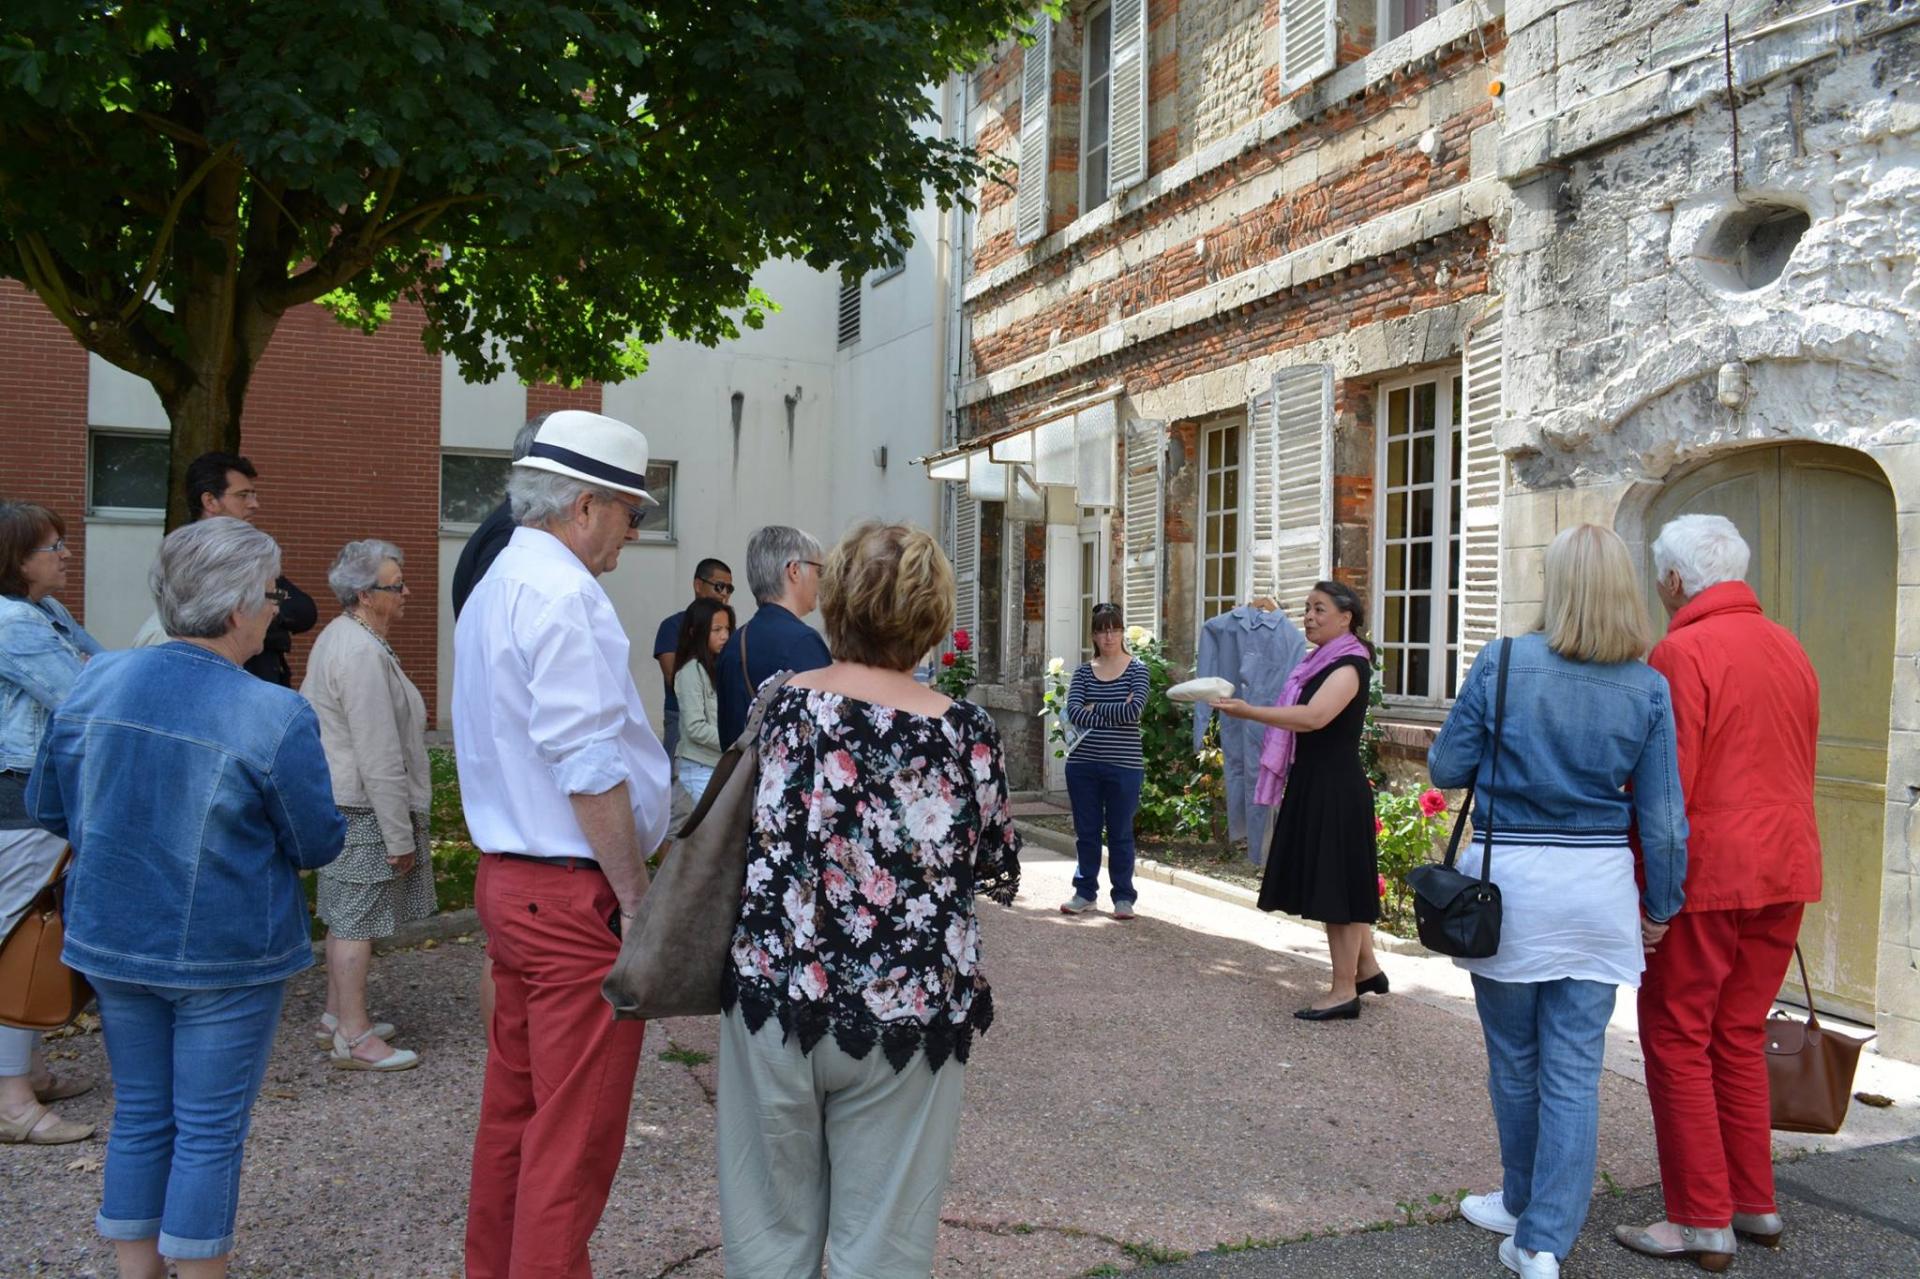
<point x="712" y="580"/>
<point x="783" y="571"/>
<point x="227" y="484"/>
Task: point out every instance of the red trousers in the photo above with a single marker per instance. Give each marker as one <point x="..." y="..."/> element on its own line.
<point x="559" y="1085"/>
<point x="1703" y="1007"/>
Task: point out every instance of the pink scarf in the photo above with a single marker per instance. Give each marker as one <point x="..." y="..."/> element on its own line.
<point x="1276" y="748"/>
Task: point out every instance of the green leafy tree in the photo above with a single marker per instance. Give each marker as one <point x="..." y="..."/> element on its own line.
<point x="563" y="183"/>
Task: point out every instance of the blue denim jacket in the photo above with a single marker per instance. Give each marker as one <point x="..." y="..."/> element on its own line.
<point x="1576" y="735"/>
<point x="41" y="652"/>
<point x="193" y="794"/>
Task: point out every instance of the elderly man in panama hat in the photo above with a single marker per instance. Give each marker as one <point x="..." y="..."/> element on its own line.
<point x="565" y="790"/>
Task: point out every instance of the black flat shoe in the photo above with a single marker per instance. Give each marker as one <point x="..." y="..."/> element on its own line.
<point x="1374" y="985"/>
<point x="1349" y="1011"/>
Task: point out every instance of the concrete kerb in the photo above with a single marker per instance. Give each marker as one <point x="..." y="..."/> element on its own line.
<point x="1205" y="885"/>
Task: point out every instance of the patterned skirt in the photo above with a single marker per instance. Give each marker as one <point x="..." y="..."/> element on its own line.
<point x="360" y="897"/>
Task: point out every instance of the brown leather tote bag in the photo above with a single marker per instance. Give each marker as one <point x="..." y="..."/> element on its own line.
<point x="675" y="952"/>
<point x="1809" y="1068"/>
<point x="37" y="990"/>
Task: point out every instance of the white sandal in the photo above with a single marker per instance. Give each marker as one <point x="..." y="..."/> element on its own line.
<point x="323" y="1036"/>
<point x="27" y="1130"/>
<point x="343" y="1058"/>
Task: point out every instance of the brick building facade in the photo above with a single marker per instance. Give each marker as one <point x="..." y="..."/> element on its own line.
<point x="1246" y="286"/>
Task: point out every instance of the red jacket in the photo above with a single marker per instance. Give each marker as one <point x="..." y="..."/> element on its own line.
<point x="1746" y="708"/>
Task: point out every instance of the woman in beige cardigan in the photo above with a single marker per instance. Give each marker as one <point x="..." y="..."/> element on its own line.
<point x="373" y="725"/>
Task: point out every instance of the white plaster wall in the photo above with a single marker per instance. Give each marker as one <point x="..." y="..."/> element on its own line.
<point x="120" y="548"/>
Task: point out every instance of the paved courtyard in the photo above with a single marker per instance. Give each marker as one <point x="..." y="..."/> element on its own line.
<point x="1145" y="1094"/>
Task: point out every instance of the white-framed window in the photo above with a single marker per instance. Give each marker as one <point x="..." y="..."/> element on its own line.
<point x="1096" y="108"/>
<point x="1417" y="543"/>
<point x="126" y="472"/>
<point x="473" y="483"/>
<point x="1223" y="548"/>
<point x="1095" y="529"/>
<point x="881" y="274"/>
<point x="1397" y="17"/>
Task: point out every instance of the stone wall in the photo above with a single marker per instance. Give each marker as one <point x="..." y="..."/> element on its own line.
<point x="1222" y="59"/>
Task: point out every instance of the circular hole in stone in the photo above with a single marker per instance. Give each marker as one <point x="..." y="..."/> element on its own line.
<point x="1747" y="247"/>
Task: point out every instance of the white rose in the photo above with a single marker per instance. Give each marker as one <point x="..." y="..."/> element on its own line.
<point x="1138" y="635"/>
<point x="1057" y="665"/>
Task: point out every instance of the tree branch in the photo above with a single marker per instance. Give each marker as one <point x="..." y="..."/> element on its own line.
<point x="164" y="237"/>
<point x="349" y="256"/>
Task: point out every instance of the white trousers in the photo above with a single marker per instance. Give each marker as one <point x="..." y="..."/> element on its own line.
<point x="818" y="1150"/>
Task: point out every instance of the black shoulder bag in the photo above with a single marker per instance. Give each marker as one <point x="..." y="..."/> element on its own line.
<point x="1458" y="914"/>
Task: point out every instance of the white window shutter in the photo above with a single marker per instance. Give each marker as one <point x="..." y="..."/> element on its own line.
<point x="1262" y="464"/>
<point x="1483" y="483"/>
<point x="1303" y="470"/>
<point x="965" y="553"/>
<point x="1127" y="124"/>
<point x="1145" y="524"/>
<point x="1036" y="90"/>
<point x="1309" y="43"/>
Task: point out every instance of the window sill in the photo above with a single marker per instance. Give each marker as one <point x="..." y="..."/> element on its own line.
<point x="126" y="515"/>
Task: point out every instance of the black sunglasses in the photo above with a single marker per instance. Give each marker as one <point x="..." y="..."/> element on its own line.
<point x="722" y="588"/>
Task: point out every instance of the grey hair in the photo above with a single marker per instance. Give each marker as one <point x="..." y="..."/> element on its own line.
<point x="541" y="497"/>
<point x="524" y="440"/>
<point x="209" y="570"/>
<point x="357" y="568"/>
<point x="769" y="551"/>
<point x="1705" y="550"/>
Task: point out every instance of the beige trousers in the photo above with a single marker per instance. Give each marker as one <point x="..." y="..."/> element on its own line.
<point x="817" y="1150"/>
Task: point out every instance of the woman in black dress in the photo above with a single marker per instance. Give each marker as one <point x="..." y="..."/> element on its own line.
<point x="1322" y="863"/>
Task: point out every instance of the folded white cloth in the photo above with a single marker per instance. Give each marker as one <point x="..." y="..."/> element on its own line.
<point x="1208" y="688"/>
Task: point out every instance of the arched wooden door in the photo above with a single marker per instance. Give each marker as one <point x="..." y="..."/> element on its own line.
<point x="1821" y="524"/>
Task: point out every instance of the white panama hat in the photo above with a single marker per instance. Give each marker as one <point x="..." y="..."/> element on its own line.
<point x="590" y="447"/>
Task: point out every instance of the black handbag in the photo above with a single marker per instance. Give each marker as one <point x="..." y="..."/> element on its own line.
<point x="1459" y="915"/>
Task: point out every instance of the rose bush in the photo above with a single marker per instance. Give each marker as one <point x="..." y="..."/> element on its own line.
<point x="1407" y="825"/>
<point x="957" y="672"/>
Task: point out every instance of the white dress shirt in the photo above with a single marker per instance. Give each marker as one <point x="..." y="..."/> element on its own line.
<point x="544" y="706"/>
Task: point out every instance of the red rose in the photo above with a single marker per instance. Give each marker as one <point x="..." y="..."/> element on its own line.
<point x="1432" y="803"/>
<point x="1383" y="884"/>
<point x="1378" y="826"/>
<point x="946" y="659"/>
<point x="962" y="641"/>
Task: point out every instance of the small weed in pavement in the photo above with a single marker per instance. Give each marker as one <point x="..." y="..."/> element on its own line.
<point x="1613" y="1187"/>
<point x="686" y="1056"/>
<point x="1102" y="1270"/>
<point x="1153" y="1254"/>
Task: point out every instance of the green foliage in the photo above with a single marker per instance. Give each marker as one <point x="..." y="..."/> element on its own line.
<point x="1371" y="734"/>
<point x="551" y="181"/>
<point x="1184" y="794"/>
<point x="957" y="671"/>
<point x="1408" y="825"/>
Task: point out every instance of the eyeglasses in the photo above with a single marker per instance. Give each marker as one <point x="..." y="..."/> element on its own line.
<point x="278" y="597"/>
<point x="396" y="588"/>
<point x="59" y="545"/>
<point x="718" y="588"/>
<point x="634" y="513"/>
<point x="818" y="567"/>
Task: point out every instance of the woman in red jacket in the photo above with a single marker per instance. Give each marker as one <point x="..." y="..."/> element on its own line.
<point x="1746" y="707"/>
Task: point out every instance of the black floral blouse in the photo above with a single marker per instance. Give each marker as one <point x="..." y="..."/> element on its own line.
<point x="874" y="829"/>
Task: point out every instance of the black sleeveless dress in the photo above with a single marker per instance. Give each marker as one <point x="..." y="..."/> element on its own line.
<point x="1322" y="863"/>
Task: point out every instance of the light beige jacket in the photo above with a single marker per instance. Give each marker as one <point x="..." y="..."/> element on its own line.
<point x="373" y="727"/>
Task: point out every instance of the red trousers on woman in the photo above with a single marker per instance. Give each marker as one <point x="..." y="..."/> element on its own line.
<point x="1703" y="1008"/>
<point x="553" y="1115"/>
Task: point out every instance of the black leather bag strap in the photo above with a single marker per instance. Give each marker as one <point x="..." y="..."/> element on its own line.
<point x="1502" y="656"/>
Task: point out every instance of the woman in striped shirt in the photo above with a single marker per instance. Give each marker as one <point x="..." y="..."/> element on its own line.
<point x="1105" y="768"/>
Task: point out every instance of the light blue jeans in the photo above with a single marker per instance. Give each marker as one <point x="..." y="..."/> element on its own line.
<point x="187" y="1065"/>
<point x="1545" y="1043"/>
<point x="694" y="778"/>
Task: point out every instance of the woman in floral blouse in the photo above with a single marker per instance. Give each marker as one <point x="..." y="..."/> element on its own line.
<point x="855" y="988"/>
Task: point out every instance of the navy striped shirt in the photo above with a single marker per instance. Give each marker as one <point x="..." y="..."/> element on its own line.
<point x="1107" y="713"/>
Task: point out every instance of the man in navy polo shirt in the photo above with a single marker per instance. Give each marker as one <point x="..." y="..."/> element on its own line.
<point x="783" y="571"/>
<point x="712" y="580"/>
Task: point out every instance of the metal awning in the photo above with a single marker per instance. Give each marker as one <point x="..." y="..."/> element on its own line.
<point x="1067" y="445"/>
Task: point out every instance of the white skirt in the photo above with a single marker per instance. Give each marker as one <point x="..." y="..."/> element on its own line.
<point x="1565" y="912"/>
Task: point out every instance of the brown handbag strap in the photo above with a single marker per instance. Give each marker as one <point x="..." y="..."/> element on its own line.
<point x="1813" y="1016"/>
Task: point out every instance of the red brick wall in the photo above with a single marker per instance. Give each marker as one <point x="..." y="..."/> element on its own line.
<point x="43" y="422"/>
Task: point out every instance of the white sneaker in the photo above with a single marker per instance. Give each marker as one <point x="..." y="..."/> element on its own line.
<point x="1489" y="1212"/>
<point x="1528" y="1265"/>
<point x="1075" y="905"/>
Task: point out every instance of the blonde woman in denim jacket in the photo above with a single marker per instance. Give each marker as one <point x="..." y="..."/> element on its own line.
<point x="1586" y="758"/>
<point x="42" y="652"/>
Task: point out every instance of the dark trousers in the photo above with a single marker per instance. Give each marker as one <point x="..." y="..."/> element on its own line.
<point x="1105" y="798"/>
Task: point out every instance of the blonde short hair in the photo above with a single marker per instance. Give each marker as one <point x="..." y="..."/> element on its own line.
<point x="886" y="595"/>
<point x="1595" y="611"/>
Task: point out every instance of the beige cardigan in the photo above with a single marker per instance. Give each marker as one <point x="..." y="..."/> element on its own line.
<point x="373" y="727"/>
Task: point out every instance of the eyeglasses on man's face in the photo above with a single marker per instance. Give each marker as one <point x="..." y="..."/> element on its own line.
<point x="717" y="587"/>
<point x="277" y="597"/>
<point x="634" y="513"/>
<point x="818" y="567"/>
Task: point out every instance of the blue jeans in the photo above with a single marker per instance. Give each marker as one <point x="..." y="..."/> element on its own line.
<point x="186" y="1065"/>
<point x="1545" y="1041"/>
<point x="1104" y="796"/>
<point x="670" y="730"/>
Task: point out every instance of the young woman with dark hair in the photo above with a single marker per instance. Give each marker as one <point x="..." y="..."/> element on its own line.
<point x="703" y="633"/>
<point x="1106" y="769"/>
<point x="1323" y="863"/>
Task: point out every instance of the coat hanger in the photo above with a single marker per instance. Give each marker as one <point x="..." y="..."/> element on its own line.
<point x="1264" y="603"/>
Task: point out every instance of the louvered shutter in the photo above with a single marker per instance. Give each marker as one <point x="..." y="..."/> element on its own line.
<point x="1036" y="86"/>
<point x="1140" y="586"/>
<point x="1483" y="481"/>
<point x="965" y="553"/>
<point x="1127" y="124"/>
<point x="1308" y="42"/>
<point x="1302" y="480"/>
<point x="1264" y="488"/>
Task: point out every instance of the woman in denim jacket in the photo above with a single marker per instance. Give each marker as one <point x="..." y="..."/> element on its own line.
<point x="194" y="794"/>
<point x="1586" y="756"/>
<point x="41" y="652"/>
